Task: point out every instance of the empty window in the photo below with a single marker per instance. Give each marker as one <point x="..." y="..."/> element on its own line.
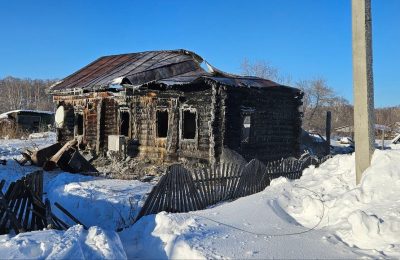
<point x="162" y="123"/>
<point x="124" y="124"/>
<point x="246" y="129"/>
<point x="79" y="124"/>
<point x="189" y="124"/>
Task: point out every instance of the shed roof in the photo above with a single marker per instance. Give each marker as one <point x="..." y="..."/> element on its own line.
<point x="171" y="67"/>
<point x="7" y="114"/>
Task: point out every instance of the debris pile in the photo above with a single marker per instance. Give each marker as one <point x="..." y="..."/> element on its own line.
<point x="66" y="157"/>
<point x="22" y="207"/>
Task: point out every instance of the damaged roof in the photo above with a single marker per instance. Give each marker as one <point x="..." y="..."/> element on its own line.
<point x="171" y="67"/>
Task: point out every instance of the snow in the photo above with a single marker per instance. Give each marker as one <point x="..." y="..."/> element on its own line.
<point x="5" y="115"/>
<point x="382" y="127"/>
<point x="324" y="214"/>
<point x="110" y="204"/>
<point x="75" y="243"/>
<point x="346" y="140"/>
<point x="104" y="205"/>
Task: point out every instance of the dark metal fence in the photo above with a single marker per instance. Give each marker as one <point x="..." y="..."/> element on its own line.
<point x="181" y="190"/>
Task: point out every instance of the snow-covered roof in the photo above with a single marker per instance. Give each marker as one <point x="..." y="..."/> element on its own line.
<point x="6" y="114"/>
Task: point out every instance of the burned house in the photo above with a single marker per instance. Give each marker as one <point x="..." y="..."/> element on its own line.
<point x="163" y="105"/>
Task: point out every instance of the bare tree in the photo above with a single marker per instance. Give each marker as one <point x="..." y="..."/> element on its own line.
<point x="264" y="70"/>
<point x="24" y="94"/>
<point x="318" y="96"/>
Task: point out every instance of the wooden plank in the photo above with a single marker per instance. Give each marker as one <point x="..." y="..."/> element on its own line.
<point x="8" y="203"/>
<point x="27" y="214"/>
<point x="193" y="193"/>
<point x="154" y="203"/>
<point x="151" y="202"/>
<point x="199" y="186"/>
<point x="23" y="206"/>
<point x="169" y="199"/>
<point x="59" y="222"/>
<point x="48" y="219"/>
<point x="185" y="199"/>
<point x="203" y="185"/>
<point x="69" y="215"/>
<point x="161" y="198"/>
<point x="10" y="215"/>
<point x="182" y="188"/>
<point x="150" y="198"/>
<point x="213" y="174"/>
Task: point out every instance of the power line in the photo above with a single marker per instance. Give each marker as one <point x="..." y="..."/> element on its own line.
<point x="272" y="235"/>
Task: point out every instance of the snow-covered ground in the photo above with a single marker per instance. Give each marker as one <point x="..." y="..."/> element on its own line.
<point x="105" y="205"/>
<point x="322" y="215"/>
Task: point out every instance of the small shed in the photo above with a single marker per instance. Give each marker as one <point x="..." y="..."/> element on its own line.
<point x="167" y="107"/>
<point x="28" y="121"/>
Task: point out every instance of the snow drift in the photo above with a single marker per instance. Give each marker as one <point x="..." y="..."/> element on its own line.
<point x="75" y="243"/>
<point x="322" y="215"/>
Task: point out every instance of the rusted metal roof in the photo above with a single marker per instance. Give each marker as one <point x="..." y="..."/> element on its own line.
<point x="175" y="67"/>
<point x="133" y="68"/>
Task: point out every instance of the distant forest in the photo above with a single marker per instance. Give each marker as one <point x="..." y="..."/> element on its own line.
<point x="26" y="93"/>
<point x="32" y="94"/>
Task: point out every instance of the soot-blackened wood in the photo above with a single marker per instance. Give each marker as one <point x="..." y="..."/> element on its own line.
<point x="66" y="212"/>
<point x="10" y="216"/>
<point x="6" y="204"/>
<point x="198" y="186"/>
<point x="27" y="212"/>
<point x="59" y="223"/>
<point x="24" y="200"/>
<point x="180" y="191"/>
<point x="151" y="199"/>
<point x="246" y="181"/>
<point x="49" y="221"/>
<point x="176" y="192"/>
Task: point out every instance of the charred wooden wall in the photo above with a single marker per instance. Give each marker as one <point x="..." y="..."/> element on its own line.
<point x="144" y="109"/>
<point x="219" y="113"/>
<point x="275" y="122"/>
<point x="99" y="113"/>
<point x="66" y="133"/>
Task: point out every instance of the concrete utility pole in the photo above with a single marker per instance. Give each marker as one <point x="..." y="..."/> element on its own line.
<point x="363" y="85"/>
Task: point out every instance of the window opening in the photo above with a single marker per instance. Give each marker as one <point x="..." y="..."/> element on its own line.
<point x="189" y="124"/>
<point x="162" y="123"/>
<point x="246" y="129"/>
<point x="124" y="123"/>
<point x="79" y="123"/>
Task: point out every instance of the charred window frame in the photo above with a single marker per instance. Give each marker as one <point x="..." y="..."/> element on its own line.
<point x="91" y="106"/>
<point x="79" y="124"/>
<point x="189" y="126"/>
<point x="247" y="125"/>
<point x="162" y="123"/>
<point x="124" y="122"/>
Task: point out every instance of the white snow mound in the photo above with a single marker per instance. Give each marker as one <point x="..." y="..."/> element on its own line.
<point x="75" y="243"/>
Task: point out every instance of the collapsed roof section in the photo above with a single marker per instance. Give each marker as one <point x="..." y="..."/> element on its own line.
<point x="166" y="68"/>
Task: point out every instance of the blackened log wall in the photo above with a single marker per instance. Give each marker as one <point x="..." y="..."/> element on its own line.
<point x="275" y="122"/>
<point x="174" y="147"/>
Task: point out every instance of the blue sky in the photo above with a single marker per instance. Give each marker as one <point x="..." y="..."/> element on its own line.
<point x="303" y="38"/>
